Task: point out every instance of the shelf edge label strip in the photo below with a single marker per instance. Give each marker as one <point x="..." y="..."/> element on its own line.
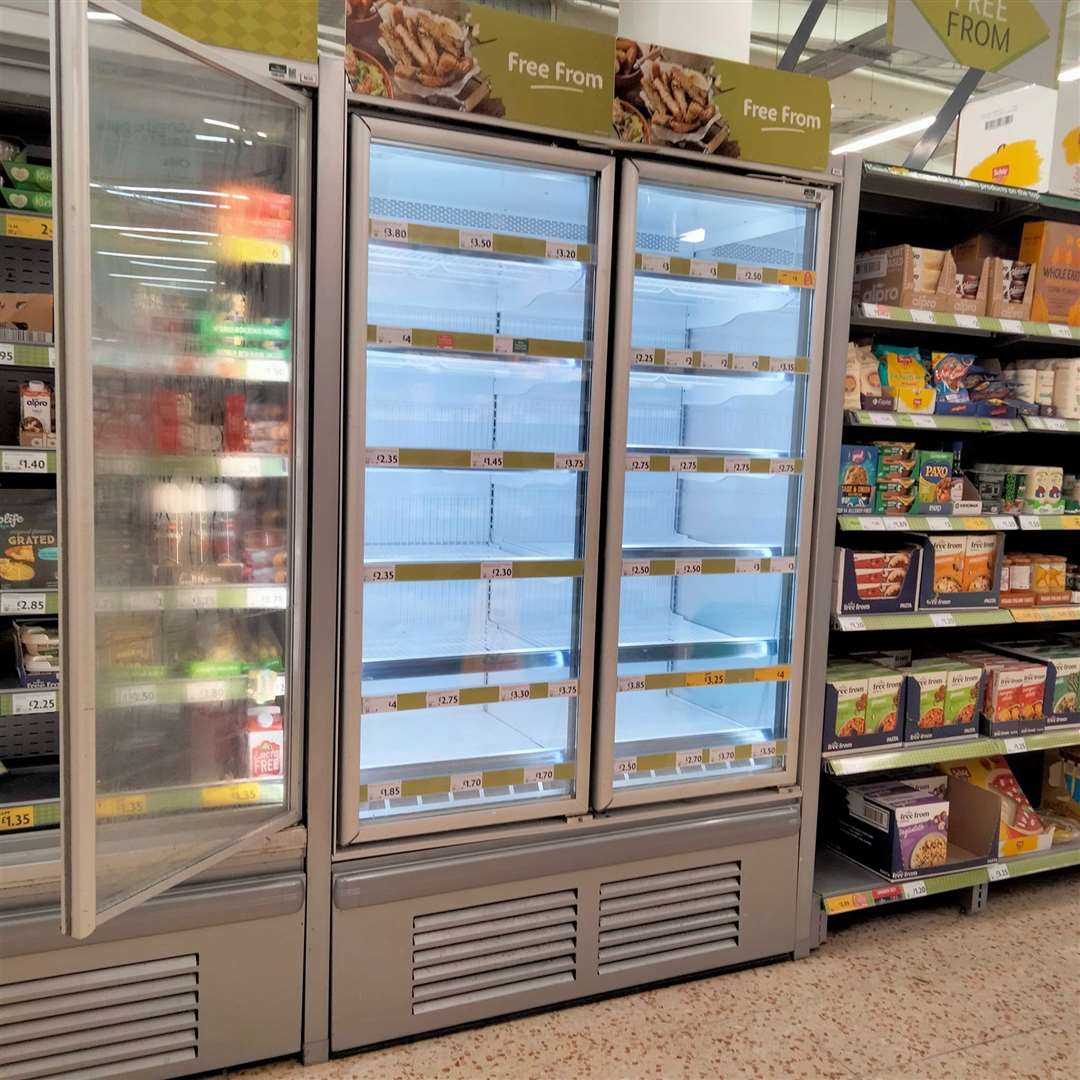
<point x="713" y="464"/>
<point x="503" y="346"/>
<point x="384" y="230"/>
<point x="711" y="270"/>
<point x="681" y="759"/>
<point x="387" y="457"/>
<point x="693" y="567"/>
<point x="696" y="359"/>
<point x="676" y="680"/>
<point x="466" y="782"/>
<point x="385" y="573"/>
<point x="467" y="695"/>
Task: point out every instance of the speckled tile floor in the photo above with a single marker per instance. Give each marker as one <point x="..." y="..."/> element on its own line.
<point x="918" y="993"/>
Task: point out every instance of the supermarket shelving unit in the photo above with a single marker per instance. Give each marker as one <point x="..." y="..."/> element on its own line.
<point x="895" y="204"/>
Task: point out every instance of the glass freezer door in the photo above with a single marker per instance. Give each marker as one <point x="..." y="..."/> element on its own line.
<point x="477" y="287"/>
<point x="180" y="228"/>
<point x="718" y="344"/>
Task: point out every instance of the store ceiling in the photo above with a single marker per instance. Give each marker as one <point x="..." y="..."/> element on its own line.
<point x="888" y="87"/>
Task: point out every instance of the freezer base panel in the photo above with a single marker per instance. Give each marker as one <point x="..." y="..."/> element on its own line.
<point x="426" y="944"/>
<point x="199" y="979"/>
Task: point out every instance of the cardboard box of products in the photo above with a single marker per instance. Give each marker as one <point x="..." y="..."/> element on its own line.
<point x="960" y="571"/>
<point x="911" y="277"/>
<point x="1020" y="829"/>
<point x="875" y="582"/>
<point x="1004" y="283"/>
<point x="26" y="317"/>
<point x="1053" y="248"/>
<point x="906" y="830"/>
<point x="941" y="699"/>
<point x="862" y="706"/>
<point x="1013" y="696"/>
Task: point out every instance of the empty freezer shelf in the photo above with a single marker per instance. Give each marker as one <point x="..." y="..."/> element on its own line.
<point x="660" y="716"/>
<point x="462" y="738"/>
<point x="667" y="544"/>
<point x="669" y="636"/>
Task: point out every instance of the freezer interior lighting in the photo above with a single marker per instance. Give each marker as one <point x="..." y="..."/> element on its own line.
<point x="178" y="288"/>
<point x="1069" y="74"/>
<point x="693" y="236"/>
<point x="103" y="16"/>
<point x="221" y="123"/>
<point x="185" y="280"/>
<point x="884" y="135"/>
<point x="128" y="230"/>
<point x="164" y="239"/>
<point x="171" y="266"/>
<point x="213" y="138"/>
<point x="177" y="191"/>
<point x="142" y="254"/>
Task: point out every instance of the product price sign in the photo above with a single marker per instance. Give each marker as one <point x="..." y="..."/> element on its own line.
<point x="1060" y="330"/>
<point x="566" y="689"/>
<point x="745" y="363"/>
<point x="628" y="683"/>
<point x="7" y="354"/>
<point x="496" y="571"/>
<point x="687" y="567"/>
<point x="656" y="264"/>
<point x="20" y="603"/>
<point x="1011" y="326"/>
<point x="558" y="249"/>
<point x="24" y="461"/>
<point x="1055" y="423"/>
<point x="392" y="335"/>
<point x="851" y="622"/>
<point x="16" y="817"/>
<point x="464" y="782"/>
<point x="387" y="789"/>
<point x="968" y="322"/>
<point x="1015" y="746"/>
<point x="753" y="275"/>
<point x="485" y="459"/>
<point x="782" y="564"/>
<point x="382" y="704"/>
<point x="747" y="566"/>
<point x="636" y="568"/>
<point x="112" y="806"/>
<point x="475" y="240"/>
<point x="896" y="524"/>
<point x="539" y="774"/>
<point x="689" y="759"/>
<point x="274" y="598"/>
<point x="395" y="231"/>
<point x="783" y="466"/>
<point x="377" y="574"/>
<point x="683" y="463"/>
<point x="638" y="463"/>
<point x="678" y="358"/>
<point x="515" y="693"/>
<point x="881" y="419"/>
<point x="442" y="699"/>
<point x="136" y="696"/>
<point x="920" y="421"/>
<point x="41" y="701"/>
<point x="385" y="457"/>
<point x="625" y="766"/>
<point x="920" y="316"/>
<point x="766" y="750"/>
<point x="703" y="268"/>
<point x="943" y="618"/>
<point x="197" y="599"/>
<point x="206" y="692"/>
<point x="736" y="464"/>
<point x="913" y="889"/>
<point x="998" y="871"/>
<point x="571" y="462"/>
<point x="644" y="356"/>
<point x="722" y="755"/>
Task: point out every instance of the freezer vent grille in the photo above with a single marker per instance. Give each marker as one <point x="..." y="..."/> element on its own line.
<point x="675" y="916"/>
<point x="99" y="1024"/>
<point x="29" y="735"/>
<point x="25" y="266"/>
<point x="464" y="217"/>
<point x="493" y="951"/>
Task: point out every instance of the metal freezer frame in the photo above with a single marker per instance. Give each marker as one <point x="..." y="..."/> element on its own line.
<point x="709" y="180"/>
<point x="362" y="128"/>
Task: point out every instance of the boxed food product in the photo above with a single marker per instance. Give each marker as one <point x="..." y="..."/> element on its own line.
<point x="1061" y="783"/>
<point x="1043" y="489"/>
<point x="27" y="177"/>
<point x="265" y="742"/>
<point x="904" y="829"/>
<point x="27" y="317"/>
<point x="1020" y="829"/>
<point x="947" y="581"/>
<point x="1061" y="704"/>
<point x="28" y="539"/>
<point x="910" y="277"/>
<point x="36" y="415"/>
<point x="862" y="706"/>
<point x="852" y="397"/>
<point x="858" y="467"/>
<point x="1053" y="248"/>
<point x="869" y="582"/>
<point x="1003" y="283"/>
<point x="934" y="493"/>
<point x="37" y="202"/>
<point x="1013" y="696"/>
<point x="941" y="699"/>
<point x="37" y="653"/>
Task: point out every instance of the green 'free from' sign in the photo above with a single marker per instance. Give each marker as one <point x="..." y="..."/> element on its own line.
<point x="1018" y="38"/>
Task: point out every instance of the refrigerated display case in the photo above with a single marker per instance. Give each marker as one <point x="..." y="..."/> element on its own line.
<point x="180" y="276"/>
<point x="502" y="843"/>
<point x="716" y="369"/>
<point x="477" y="321"/>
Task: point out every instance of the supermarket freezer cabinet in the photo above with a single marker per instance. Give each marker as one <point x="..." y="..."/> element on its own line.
<point x="180" y="271"/>
<point x="477" y="300"/>
<point x="717" y="361"/>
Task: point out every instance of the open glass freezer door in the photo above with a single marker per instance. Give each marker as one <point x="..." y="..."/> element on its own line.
<point x="717" y="361"/>
<point x="181" y="215"/>
<point x="477" y="292"/>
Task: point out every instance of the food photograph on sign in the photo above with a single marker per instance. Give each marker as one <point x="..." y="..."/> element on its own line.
<point x="668" y="97"/>
<point x="414" y="53"/>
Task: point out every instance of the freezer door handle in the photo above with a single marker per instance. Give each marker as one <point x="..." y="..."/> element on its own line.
<point x="388" y="884"/>
<point x="188" y="908"/>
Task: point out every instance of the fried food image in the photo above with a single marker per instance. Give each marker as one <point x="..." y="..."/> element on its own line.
<point x="629" y="124"/>
<point x="11" y="570"/>
<point x="426" y="48"/>
<point x="677" y="96"/>
<point x="22" y="552"/>
<point x="627" y="56"/>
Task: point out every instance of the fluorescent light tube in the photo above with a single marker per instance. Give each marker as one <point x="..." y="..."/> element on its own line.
<point x="884" y="135"/>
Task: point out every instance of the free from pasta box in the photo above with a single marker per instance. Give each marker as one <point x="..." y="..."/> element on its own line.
<point x="1061" y="704"/>
<point x="905" y="829"/>
<point x="941" y="699"/>
<point x="870" y="582"/>
<point x="1013" y="695"/>
<point x="862" y="706"/>
<point x="960" y="571"/>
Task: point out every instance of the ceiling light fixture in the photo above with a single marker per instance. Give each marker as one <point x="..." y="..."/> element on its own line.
<point x="884" y="135"/>
<point x="1069" y="74"/>
<point x="692" y="236"/>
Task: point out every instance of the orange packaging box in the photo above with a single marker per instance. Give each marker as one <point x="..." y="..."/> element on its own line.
<point x="1053" y="248"/>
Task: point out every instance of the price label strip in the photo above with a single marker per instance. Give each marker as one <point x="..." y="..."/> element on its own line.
<point x="468" y="695"/>
<point x="477" y="242"/>
<point x="702" y="463"/>
<point x="17" y="602"/>
<point x="779" y="564"/>
<point x="676" y="680"/>
<point x="384" y="573"/>
<point x="489" y="780"/>
<point x="696" y="759"/>
<point x="28" y="461"/>
<point x="495" y="346"/>
<point x="707" y="270"/>
<point x="386" y="457"/>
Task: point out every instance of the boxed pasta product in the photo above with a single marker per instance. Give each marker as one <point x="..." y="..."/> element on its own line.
<point x="908" y="828"/>
<point x="869" y="582"/>
<point x="1061" y="702"/>
<point x="1053" y="248"/>
<point x="1020" y="829"/>
<point x="941" y="699"/>
<point x="959" y="573"/>
<point x="862" y="705"/>
<point x="1013" y="695"/>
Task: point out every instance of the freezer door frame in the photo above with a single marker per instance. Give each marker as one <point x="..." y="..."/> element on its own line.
<point x="634" y="170"/>
<point x="363" y="127"/>
<point x="70" y="72"/>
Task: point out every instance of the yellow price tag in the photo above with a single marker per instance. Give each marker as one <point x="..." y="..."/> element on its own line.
<point x="706" y="678"/>
<point x="121" y="805"/>
<point x="772" y="674"/>
<point x="30" y="228"/>
<point x="801" y="279"/>
<point x="1027" y="615"/>
<point x="1071" y="521"/>
<point x="231" y="795"/>
<point x="835" y="905"/>
<point x="254" y="249"/>
<point x="16" y="817"/>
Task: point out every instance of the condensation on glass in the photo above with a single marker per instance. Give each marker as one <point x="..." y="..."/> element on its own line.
<point x="716" y="434"/>
<point x="193" y="177"/>
<point x="480" y="285"/>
